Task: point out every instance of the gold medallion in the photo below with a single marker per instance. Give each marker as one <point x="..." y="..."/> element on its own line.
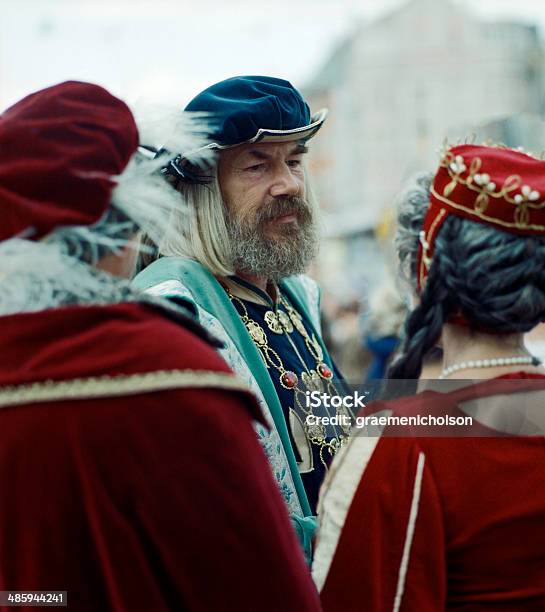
<point x="315" y="433"/>
<point x="273" y="323"/>
<point x="297" y="321"/>
<point x="256" y="333"/>
<point x="312" y="381"/>
<point x="285" y="321"/>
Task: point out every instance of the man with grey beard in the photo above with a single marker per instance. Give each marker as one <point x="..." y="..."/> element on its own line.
<point x="236" y="255"/>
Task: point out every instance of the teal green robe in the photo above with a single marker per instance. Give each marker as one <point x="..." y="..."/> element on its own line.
<point x="185" y="279"/>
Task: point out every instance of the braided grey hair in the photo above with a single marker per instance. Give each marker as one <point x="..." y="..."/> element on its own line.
<point x="495" y="279"/>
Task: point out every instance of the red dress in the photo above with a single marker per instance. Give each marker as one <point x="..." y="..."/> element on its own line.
<point x="134" y="480"/>
<point x="428" y="523"/>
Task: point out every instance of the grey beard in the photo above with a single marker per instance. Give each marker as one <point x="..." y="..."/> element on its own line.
<point x="255" y="253"/>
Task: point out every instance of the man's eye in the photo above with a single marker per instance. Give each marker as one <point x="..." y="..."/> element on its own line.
<point x="294" y="163"/>
<point x="255" y="168"/>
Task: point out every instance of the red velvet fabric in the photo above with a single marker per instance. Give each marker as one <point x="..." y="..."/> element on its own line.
<point x="59" y="149"/>
<point x="154" y="501"/>
<point x="478" y="542"/>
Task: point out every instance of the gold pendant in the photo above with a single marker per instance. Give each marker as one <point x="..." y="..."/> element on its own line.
<point x="256" y="333"/>
<point x="315" y="433"/>
<point x="289" y="379"/>
<point x="297" y="321"/>
<point x="324" y="371"/>
<point x="273" y="323"/>
<point x="312" y="381"/>
<point x="285" y="321"/>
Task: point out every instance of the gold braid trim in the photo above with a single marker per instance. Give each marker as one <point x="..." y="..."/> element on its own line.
<point x="490" y="220"/>
<point x="425" y="260"/>
<point x="116" y="386"/>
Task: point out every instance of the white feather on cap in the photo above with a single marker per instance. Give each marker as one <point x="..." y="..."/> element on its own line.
<point x="169" y="127"/>
<point x="142" y="193"/>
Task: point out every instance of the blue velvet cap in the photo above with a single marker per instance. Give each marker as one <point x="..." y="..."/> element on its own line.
<point x="256" y="109"/>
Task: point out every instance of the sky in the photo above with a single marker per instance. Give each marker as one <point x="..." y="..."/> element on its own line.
<point x="168" y="50"/>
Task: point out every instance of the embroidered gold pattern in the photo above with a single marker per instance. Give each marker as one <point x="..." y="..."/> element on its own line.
<point x="479" y="182"/>
<point x="485" y="217"/>
<point x="116" y="386"/>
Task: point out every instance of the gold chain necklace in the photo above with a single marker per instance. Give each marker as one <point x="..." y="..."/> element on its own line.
<point x="319" y="379"/>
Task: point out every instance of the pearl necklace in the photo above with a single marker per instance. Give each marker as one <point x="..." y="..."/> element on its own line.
<point x="489" y="363"/>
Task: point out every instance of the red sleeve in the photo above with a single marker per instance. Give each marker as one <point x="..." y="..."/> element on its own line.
<point x="390" y="553"/>
<point x="236" y="545"/>
<point x="163" y="501"/>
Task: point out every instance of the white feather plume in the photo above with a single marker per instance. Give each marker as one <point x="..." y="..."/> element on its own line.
<point x="178" y="131"/>
<point x="144" y="196"/>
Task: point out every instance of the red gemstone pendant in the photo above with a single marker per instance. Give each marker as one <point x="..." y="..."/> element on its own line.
<point x="289" y="379"/>
<point x="324" y="371"/>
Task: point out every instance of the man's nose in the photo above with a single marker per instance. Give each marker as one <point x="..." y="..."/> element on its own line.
<point x="285" y="183"/>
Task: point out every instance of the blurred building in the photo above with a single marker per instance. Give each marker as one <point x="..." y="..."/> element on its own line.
<point x="395" y="89"/>
<point x="521" y="130"/>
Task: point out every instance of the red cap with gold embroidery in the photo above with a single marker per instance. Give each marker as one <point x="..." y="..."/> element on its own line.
<point x="496" y="186"/>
